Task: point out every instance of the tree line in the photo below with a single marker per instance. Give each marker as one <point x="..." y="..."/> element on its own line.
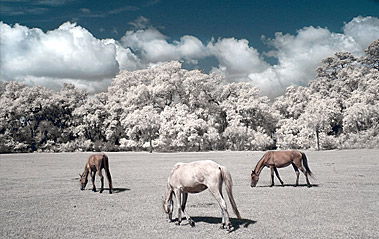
<point x="167" y="108"/>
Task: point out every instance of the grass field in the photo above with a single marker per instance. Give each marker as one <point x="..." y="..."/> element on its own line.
<point x="41" y="198"/>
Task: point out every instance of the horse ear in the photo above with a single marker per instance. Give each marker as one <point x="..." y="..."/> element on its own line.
<point x="80" y="175"/>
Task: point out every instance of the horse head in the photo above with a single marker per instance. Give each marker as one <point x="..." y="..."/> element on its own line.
<point x="254" y="179"/>
<point x="83" y="181"/>
<point x="168" y="206"/>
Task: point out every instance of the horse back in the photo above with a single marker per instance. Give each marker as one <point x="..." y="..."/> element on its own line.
<point x="193" y="177"/>
<point x="283" y="158"/>
<point x="97" y="161"/>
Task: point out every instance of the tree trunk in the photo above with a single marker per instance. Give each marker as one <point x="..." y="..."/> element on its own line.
<point x="318" y="139"/>
<point x="150" y="143"/>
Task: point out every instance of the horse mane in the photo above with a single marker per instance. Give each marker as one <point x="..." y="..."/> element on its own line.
<point x="259" y="167"/>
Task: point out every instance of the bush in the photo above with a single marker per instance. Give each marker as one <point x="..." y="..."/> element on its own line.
<point x="365" y="139"/>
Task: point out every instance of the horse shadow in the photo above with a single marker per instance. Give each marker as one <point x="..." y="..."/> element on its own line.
<point x="236" y="223"/>
<point x="119" y="190"/>
<point x="114" y="190"/>
<point x="287" y="185"/>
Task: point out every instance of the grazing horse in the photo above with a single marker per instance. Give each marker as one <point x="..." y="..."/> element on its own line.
<point x="280" y="159"/>
<point x="196" y="177"/>
<point x="96" y="163"/>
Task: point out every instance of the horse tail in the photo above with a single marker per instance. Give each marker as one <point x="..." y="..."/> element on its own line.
<point x="305" y="163"/>
<point x="227" y="178"/>
<point x="105" y="162"/>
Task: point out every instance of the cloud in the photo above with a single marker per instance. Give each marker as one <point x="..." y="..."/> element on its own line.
<point x="152" y="46"/>
<point x="85" y="10"/>
<point x="52" y="2"/>
<point x="72" y="54"/>
<point x="122" y="10"/>
<point x="299" y="55"/>
<point x="140" y="23"/>
<point x="20" y="11"/>
<point x="125" y="57"/>
<point x="363" y="30"/>
<point x="69" y="52"/>
<point x="236" y="58"/>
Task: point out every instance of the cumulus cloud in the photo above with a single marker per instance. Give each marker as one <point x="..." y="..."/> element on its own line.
<point x="299" y="55"/>
<point x="69" y="52"/>
<point x="72" y="54"/>
<point x="236" y="58"/>
<point x="153" y="46"/>
<point x="363" y="30"/>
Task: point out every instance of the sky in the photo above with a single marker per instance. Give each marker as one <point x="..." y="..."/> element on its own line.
<point x="271" y="43"/>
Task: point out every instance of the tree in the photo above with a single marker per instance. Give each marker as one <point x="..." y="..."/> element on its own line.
<point x="329" y="70"/>
<point x="142" y="126"/>
<point x="320" y="115"/>
<point x="245" y="109"/>
<point x="371" y="60"/>
<point x="92" y="120"/>
<point x="292" y="104"/>
<point x="182" y="129"/>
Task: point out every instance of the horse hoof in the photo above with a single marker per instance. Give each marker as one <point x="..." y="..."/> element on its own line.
<point x="192" y="223"/>
<point x="101" y="191"/>
<point x="94" y="190"/>
<point x="177" y="223"/>
<point x="228" y="227"/>
<point x="110" y="192"/>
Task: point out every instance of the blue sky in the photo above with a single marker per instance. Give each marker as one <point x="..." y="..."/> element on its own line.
<point x="256" y="41"/>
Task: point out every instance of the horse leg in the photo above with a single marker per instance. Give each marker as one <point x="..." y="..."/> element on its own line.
<point x="225" y="215"/>
<point x="184" y="201"/>
<point x="306" y="175"/>
<point x="101" y="180"/>
<point x="109" y="177"/>
<point x="297" y="173"/>
<point x="178" y="193"/>
<point x="272" y="175"/>
<point x="93" y="173"/>
<point x="277" y="175"/>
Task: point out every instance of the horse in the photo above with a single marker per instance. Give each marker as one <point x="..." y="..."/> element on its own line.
<point x="196" y="177"/>
<point x="96" y="163"/>
<point x="280" y="159"/>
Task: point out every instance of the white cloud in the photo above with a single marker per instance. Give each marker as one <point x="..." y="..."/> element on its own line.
<point x="363" y="30"/>
<point x="69" y="52"/>
<point x="140" y="23"/>
<point x="72" y="54"/>
<point x="236" y="58"/>
<point x="299" y="55"/>
<point x="153" y="47"/>
<point x="125" y="57"/>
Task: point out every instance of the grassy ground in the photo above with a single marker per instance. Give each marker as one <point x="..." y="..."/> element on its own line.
<point x="40" y="198"/>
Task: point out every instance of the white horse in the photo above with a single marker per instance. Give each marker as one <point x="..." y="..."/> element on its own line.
<point x="196" y="177"/>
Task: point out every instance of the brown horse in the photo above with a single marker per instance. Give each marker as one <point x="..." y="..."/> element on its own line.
<point x="280" y="159"/>
<point x="96" y="163"/>
<point x="196" y="177"/>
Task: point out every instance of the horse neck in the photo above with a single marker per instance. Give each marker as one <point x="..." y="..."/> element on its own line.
<point x="168" y="193"/>
<point x="260" y="165"/>
<point x="86" y="171"/>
